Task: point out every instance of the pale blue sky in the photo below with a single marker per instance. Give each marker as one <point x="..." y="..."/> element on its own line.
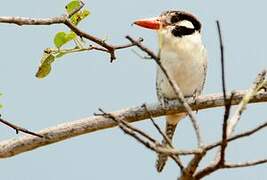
<point x="81" y="83"/>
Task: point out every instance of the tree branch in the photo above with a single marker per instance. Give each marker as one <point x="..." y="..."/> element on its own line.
<point x="33" y="21"/>
<point x="67" y="130"/>
<point x="64" y="19"/>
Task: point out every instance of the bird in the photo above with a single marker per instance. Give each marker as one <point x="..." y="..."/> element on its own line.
<point x="184" y="56"/>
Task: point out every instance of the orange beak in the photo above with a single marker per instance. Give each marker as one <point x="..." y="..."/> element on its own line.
<point x="150" y="23"/>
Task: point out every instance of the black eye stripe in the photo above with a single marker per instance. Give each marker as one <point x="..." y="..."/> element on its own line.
<point x="174" y="18"/>
<point x="180" y="31"/>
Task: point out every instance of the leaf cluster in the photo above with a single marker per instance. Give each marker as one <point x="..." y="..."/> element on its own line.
<point x="62" y="38"/>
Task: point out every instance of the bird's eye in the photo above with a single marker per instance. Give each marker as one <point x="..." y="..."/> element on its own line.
<point x="174" y="19"/>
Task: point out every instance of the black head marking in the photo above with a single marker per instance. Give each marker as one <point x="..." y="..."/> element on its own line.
<point x="178" y="16"/>
<point x="180" y="31"/>
<point x="174" y="19"/>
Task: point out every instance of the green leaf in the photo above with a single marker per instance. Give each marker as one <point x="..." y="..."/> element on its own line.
<point x="74" y="4"/>
<point x="43" y="71"/>
<point x="70" y="36"/>
<point x="47" y="58"/>
<point x="45" y="66"/>
<point x="62" y="38"/>
<point x="79" y="16"/>
<point x="59" y="39"/>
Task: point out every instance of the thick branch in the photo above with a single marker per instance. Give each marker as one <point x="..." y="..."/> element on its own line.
<point x="32" y="21"/>
<point x="71" y="129"/>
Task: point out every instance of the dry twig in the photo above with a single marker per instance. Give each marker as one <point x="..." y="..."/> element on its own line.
<point x="245" y="164"/>
<point x="19" y="129"/>
<point x="246" y="133"/>
<point x="64" y="19"/>
<point x="226" y="106"/>
<point x="141" y="136"/>
<point x="168" y="141"/>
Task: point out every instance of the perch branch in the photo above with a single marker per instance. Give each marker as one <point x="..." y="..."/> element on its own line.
<point x="71" y="129"/>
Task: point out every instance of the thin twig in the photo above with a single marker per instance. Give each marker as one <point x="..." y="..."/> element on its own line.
<point x="125" y="124"/>
<point x="238" y="136"/>
<point x="245" y="164"/>
<point x="128" y="45"/>
<point x="143" y="48"/>
<point x="168" y="141"/>
<point x="227" y="106"/>
<point x="19" y="129"/>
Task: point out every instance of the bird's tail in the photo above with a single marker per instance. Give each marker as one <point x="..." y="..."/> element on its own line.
<point x="171" y="123"/>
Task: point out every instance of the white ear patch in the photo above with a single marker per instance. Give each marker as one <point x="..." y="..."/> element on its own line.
<point x="186" y="23"/>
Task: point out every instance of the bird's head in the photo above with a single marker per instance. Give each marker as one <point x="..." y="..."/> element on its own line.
<point x="174" y="27"/>
<point x="178" y="23"/>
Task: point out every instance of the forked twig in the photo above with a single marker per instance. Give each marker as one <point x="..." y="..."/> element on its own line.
<point x="137" y="134"/>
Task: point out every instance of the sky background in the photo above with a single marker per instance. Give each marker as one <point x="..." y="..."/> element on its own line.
<point x="80" y="83"/>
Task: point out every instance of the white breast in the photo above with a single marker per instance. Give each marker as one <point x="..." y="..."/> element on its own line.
<point x="185" y="59"/>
